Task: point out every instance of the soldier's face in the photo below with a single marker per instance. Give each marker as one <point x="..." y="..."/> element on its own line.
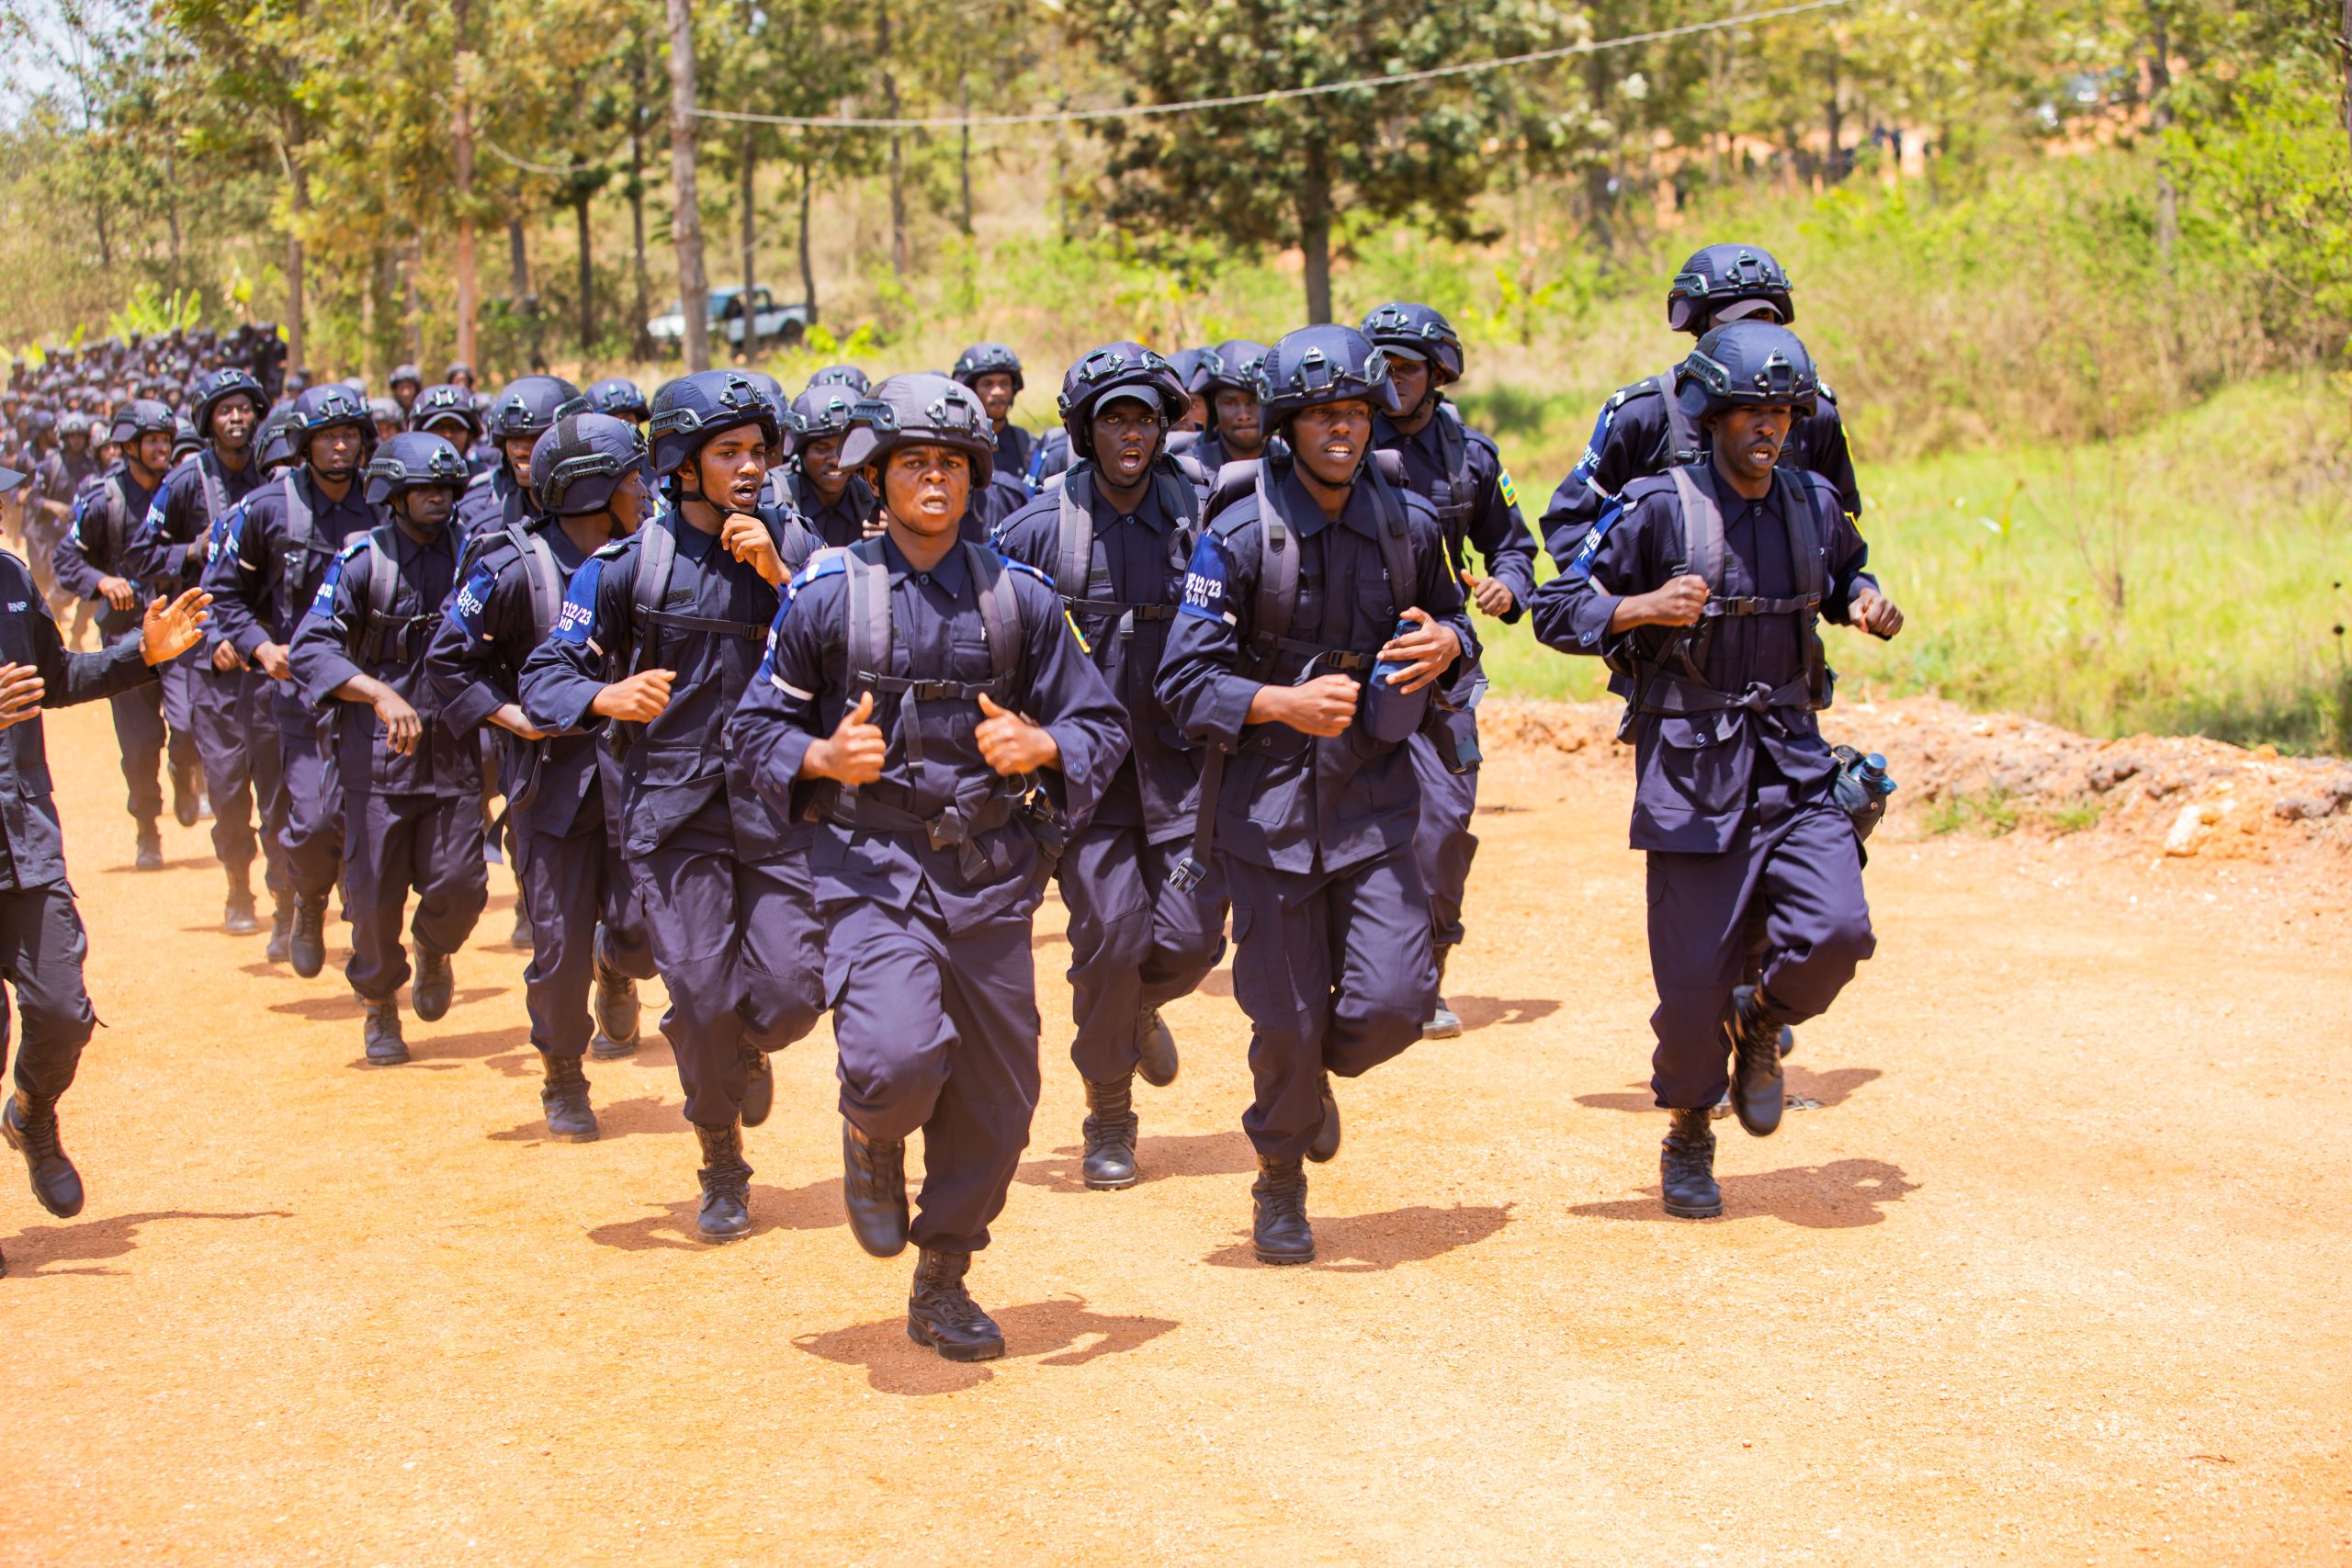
<point x="233" y="420"/>
<point x="1239" y="419"/>
<point x="1411" y="378"/>
<point x="429" y="509"/>
<point x="731" y="467"/>
<point x="821" y="461"/>
<point x="927" y="488"/>
<point x="336" y="452"/>
<point x="1749" y="437"/>
<point x="518" y="457"/>
<point x="1330" y="439"/>
<point x="995" y="392"/>
<point x="1196" y="415"/>
<point x="404" y="393"/>
<point x="1127" y="438"/>
<point x="153" y="450"/>
<point x="631" y="501"/>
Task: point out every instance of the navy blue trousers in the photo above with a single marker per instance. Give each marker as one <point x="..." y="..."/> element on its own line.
<point x="1135" y="944"/>
<point x="574" y="885"/>
<point x="425" y="844"/>
<point x="740" y="951"/>
<point x="236" y="736"/>
<point x="1804" y="874"/>
<point x="42" y="945"/>
<point x="1335" y="973"/>
<point x="1443" y="845"/>
<point x="150" y="720"/>
<point x="309" y="776"/>
<point x="938" y="1033"/>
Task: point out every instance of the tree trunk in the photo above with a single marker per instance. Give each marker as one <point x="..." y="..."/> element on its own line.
<point x="807" y="272"/>
<point x="639" y="113"/>
<point x="963" y="149"/>
<point x="1598" y="199"/>
<point x="297" y="344"/>
<point x="587" y="278"/>
<point x="899" y="257"/>
<point x="461" y="157"/>
<point x="1314" y="233"/>
<point x="367" y="354"/>
<point x="172" y="212"/>
<point x="685" y="222"/>
<point x="412" y="310"/>
<point x="1835" y="169"/>
<point x="2160" y="120"/>
<point x="747" y="162"/>
<point x="2344" y="43"/>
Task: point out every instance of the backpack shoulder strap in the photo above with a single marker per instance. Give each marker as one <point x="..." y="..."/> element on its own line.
<point x="298" y="522"/>
<point x="1233" y="481"/>
<point x="1683" y="434"/>
<point x="1278" y="553"/>
<point x="1396" y="543"/>
<point x="540" y="570"/>
<point x="655" y="557"/>
<point x="1798" y="499"/>
<point x="867" y="604"/>
<point x="383" y="573"/>
<point x="1076" y="563"/>
<point x="999" y="613"/>
<point x="1703" y="529"/>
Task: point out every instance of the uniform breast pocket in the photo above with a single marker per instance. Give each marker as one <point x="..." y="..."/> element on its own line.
<point x="1706" y="772"/>
<point x="969" y="660"/>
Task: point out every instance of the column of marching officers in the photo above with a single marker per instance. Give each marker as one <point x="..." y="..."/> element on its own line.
<point x="799" y="705"/>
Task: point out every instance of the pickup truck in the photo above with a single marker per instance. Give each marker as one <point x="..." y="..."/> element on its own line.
<point x="779" y="323"/>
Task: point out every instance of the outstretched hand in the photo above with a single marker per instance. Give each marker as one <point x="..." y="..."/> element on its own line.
<point x="171" y="629"/>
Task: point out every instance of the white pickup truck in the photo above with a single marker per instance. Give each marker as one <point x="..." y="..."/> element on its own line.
<point x="778" y="323"/>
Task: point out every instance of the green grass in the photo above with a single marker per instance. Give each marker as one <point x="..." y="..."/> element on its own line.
<point x="1992" y="813"/>
<point x="2190" y="579"/>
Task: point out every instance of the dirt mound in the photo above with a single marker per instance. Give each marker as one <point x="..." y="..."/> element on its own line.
<point x="2178" y="796"/>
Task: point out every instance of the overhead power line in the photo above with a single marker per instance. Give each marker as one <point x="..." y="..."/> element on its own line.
<point x="558" y="171"/>
<point x="1278" y="94"/>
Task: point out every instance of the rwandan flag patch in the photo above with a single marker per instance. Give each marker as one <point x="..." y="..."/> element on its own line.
<point x="1510" y="495"/>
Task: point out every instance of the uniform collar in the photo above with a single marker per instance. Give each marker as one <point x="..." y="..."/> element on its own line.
<point x="1149" y="511"/>
<point x="1307" y="520"/>
<point x="951" y="574"/>
<point x="1734" y="503"/>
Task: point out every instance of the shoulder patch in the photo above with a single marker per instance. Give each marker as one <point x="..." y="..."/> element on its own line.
<point x="1644" y="388"/>
<point x="352" y="547"/>
<point x="611" y="551"/>
<point x="1827" y="395"/>
<point x="823" y="564"/>
<point x="1026" y="569"/>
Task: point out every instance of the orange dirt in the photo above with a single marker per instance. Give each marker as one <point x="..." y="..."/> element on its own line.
<point x="2052" y="1272"/>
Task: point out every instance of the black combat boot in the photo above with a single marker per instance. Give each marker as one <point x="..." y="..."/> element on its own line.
<point x="759" y="1084"/>
<point x="1156" y="1047"/>
<point x="185" y="800"/>
<point x="726" y="1183"/>
<point x="1110" y="1161"/>
<point x="1443" y="1024"/>
<point x="30" y="1123"/>
<point x="874" y="1189"/>
<point x="1280" y="1232"/>
<point x="281" y="932"/>
<point x="306" y="945"/>
<point x="381" y="1033"/>
<point x="1326" y="1146"/>
<point x="942" y="1313"/>
<point x="1686" y="1167"/>
<point x="1759" y="1092"/>
<point x="616" y="1010"/>
<point x="237" y="917"/>
<point x="150" y="853"/>
<point x="564" y="1097"/>
<point x="521" y="937"/>
<point x="435" y="984"/>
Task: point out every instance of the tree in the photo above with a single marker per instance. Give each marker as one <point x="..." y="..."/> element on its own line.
<point x="1283" y="171"/>
<point x="685" y="222"/>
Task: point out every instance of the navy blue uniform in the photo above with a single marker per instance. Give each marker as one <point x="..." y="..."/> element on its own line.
<point x="493" y="502"/>
<point x="42" y="943"/>
<point x="1637" y="435"/>
<point x="928" y="967"/>
<point x="723" y="880"/>
<point x="412" y="823"/>
<point x="1014" y="448"/>
<point x="567" y="840"/>
<point x="1732" y="804"/>
<point x="841" y="521"/>
<point x="1330" y="921"/>
<point x="992" y="503"/>
<point x="149" y="720"/>
<point x="1135" y="943"/>
<point x="261" y="581"/>
<point x="235" y="738"/>
<point x="58" y="479"/>
<point x="1459" y="473"/>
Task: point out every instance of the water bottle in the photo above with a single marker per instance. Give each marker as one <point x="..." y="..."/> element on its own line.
<point x="1390" y="716"/>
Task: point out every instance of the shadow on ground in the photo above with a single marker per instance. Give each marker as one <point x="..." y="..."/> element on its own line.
<point x="817" y="1206"/>
<point x="1842" y="1195"/>
<point x="1823" y="1089"/>
<point x="1368" y="1244"/>
<point x="1059" y="1333"/>
<point x="621" y="1118"/>
<point x="1173" y="1153"/>
<point x="34" y="1252"/>
<point x="1478" y="1013"/>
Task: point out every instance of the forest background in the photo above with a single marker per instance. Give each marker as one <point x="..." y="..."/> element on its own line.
<point x="2080" y="271"/>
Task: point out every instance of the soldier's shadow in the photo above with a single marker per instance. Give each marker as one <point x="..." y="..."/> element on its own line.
<point x="1366" y="1244"/>
<point x="1845" y="1194"/>
<point x="34" y="1252"/>
<point x="1478" y="1013"/>
<point x="346" y="1004"/>
<point x="1156" y="1159"/>
<point x="1061" y="1332"/>
<point x="621" y="1118"/>
<point x="817" y="1206"/>
<point x="186" y="862"/>
<point x="1821" y="1090"/>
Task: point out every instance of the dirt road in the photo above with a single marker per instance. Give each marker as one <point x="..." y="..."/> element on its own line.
<point x="2053" y="1270"/>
